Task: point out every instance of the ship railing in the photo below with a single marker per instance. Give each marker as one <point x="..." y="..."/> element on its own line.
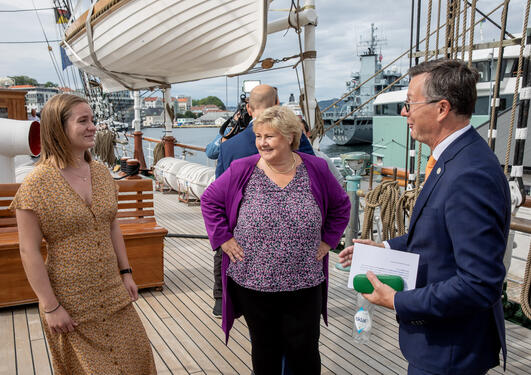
<point x="187" y="152"/>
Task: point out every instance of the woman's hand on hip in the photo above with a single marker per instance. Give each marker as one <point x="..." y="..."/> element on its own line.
<point x="130" y="285"/>
<point x="60" y="321"/>
<point x="322" y="250"/>
<point x="232" y="249"/>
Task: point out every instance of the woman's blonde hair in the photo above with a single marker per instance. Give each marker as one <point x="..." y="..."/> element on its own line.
<point x="54" y="141"/>
<point x="284" y="120"/>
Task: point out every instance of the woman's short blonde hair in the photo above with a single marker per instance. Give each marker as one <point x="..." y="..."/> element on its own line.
<point x="283" y="120"/>
<point x="54" y="141"/>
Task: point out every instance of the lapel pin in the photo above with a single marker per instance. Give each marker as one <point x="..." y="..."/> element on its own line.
<point x="439" y="170"/>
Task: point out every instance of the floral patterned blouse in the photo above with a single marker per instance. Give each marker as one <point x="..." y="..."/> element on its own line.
<point x="279" y="230"/>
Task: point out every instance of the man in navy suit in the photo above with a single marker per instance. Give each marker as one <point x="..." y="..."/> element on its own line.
<point x="452" y="322"/>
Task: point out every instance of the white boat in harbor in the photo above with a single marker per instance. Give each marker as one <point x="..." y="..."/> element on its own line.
<point x="137" y="44"/>
<point x="389" y="128"/>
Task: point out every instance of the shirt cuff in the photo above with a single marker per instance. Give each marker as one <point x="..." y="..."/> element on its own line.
<point x="386" y="245"/>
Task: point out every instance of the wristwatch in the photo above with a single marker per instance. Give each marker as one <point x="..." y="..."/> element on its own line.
<point x="126" y="270"/>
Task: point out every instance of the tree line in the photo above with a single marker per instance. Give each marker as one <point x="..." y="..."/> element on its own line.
<point x="25" y="80"/>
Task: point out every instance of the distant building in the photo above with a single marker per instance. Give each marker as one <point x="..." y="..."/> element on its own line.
<point x="122" y="105"/>
<point x="68" y="90"/>
<point x="184" y="121"/>
<point x="152" y="102"/>
<point x="37" y="96"/>
<point x="211" y="117"/>
<point x="205" y="108"/>
<point x="184" y="103"/>
<point x="6" y="82"/>
<point x="152" y="117"/>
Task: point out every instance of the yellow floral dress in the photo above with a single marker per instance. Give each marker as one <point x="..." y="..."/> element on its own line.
<point x="83" y="270"/>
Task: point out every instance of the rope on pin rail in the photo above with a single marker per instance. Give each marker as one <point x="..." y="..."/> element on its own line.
<point x="525" y="294"/>
<point x="384" y="196"/>
<point x="404" y="207"/>
<point x="104" y="146"/>
<point x="158" y="152"/>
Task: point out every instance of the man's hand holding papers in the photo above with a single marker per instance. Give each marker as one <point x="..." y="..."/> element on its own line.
<point x="345" y="256"/>
<point x="371" y="260"/>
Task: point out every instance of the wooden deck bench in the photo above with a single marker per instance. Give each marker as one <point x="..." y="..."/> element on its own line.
<point x="144" y="240"/>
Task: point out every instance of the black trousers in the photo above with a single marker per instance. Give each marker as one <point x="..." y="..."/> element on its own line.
<point x="217" y="274"/>
<point x="282" y="324"/>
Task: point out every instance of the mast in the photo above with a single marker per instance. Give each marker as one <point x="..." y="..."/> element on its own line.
<point x="309" y="65"/>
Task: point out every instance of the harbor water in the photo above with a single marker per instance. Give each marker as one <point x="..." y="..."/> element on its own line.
<point x="202" y="136"/>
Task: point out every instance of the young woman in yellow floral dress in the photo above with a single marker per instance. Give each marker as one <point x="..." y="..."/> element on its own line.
<point x="85" y="288"/>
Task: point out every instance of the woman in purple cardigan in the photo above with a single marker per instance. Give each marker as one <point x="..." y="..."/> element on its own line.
<point x="276" y="215"/>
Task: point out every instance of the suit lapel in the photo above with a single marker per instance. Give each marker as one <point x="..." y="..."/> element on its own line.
<point x="438" y="171"/>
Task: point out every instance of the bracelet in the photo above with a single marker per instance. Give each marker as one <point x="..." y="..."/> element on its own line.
<point x="51" y="311"/>
<point x="126" y="270"/>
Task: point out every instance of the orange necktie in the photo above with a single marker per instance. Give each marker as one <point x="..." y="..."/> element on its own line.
<point x="429" y="166"/>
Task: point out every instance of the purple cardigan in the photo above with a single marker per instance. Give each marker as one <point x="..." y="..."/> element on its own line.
<point x="220" y="204"/>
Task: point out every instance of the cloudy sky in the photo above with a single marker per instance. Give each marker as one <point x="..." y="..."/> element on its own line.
<point x="341" y="25"/>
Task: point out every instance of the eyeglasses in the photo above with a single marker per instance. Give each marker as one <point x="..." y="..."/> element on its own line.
<point x="407" y="105"/>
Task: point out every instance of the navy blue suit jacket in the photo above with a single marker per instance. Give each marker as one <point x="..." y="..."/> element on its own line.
<point x="243" y="145"/>
<point x="453" y="323"/>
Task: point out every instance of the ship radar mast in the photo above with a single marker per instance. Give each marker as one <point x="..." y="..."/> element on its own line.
<point x="369" y="46"/>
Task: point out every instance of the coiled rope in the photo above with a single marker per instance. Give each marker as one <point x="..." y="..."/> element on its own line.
<point x="104" y="146"/>
<point x="385" y="196"/>
<point x="525" y="295"/>
<point x="158" y="152"/>
<point x="404" y="207"/>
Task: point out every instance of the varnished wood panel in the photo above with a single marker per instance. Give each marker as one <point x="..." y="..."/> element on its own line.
<point x="15" y="102"/>
<point x="144" y="242"/>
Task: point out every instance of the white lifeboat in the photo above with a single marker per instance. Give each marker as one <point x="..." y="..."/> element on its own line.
<point x="137" y="44"/>
<point x="184" y="176"/>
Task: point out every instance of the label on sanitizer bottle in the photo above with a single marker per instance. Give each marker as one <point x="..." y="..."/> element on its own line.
<point x="362" y="320"/>
<point x="362" y="327"/>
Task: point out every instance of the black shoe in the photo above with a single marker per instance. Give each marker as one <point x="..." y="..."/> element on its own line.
<point x="216" y="311"/>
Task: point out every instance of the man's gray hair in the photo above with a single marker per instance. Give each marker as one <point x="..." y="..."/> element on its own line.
<point x="452" y="80"/>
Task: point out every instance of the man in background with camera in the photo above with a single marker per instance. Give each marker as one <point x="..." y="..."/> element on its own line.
<point x="240" y="146"/>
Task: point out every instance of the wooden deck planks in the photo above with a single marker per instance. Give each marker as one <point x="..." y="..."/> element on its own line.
<point x="8" y="364"/>
<point x="39" y="347"/>
<point x="25" y="364"/>
<point x="187" y="339"/>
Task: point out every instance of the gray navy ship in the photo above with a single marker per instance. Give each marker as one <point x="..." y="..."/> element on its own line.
<point x="357" y="128"/>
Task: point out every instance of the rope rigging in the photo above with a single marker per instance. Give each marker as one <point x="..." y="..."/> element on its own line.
<point x="458" y="24"/>
<point x="52" y="56"/>
<point x="516" y="91"/>
<point x="338" y="122"/>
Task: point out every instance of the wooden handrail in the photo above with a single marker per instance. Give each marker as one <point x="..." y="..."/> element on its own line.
<point x="182" y="145"/>
<point x="520" y="224"/>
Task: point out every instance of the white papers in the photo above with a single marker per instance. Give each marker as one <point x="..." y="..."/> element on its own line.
<point x="384" y="262"/>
